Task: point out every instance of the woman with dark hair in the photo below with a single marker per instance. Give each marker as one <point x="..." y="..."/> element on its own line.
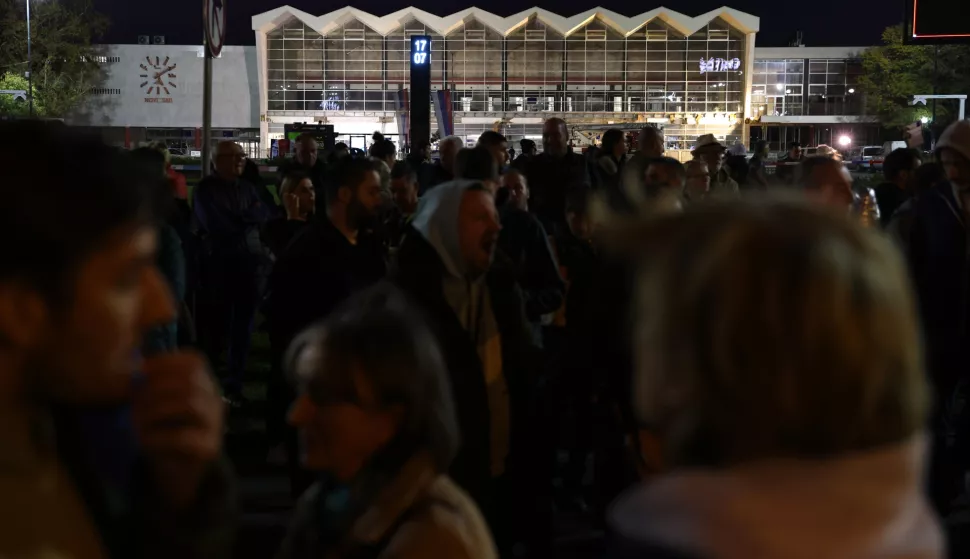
<point x="609" y="162"/>
<point x="378" y="424"/>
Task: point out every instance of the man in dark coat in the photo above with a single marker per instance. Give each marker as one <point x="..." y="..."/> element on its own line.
<point x="442" y="170"/>
<point x="446" y="264"/>
<point x="554" y="175"/>
<point x="229" y="213"/>
<point x="328" y="261"/>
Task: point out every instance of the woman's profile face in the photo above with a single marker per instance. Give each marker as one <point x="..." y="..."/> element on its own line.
<point x="340" y="437"/>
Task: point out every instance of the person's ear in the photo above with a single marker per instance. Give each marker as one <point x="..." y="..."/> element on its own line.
<point x="23" y="314"/>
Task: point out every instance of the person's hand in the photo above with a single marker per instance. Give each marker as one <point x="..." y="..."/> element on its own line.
<point x="292" y="205"/>
<point x="178" y="419"/>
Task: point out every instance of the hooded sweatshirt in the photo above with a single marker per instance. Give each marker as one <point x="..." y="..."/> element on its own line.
<point x="866" y="505"/>
<point x="437" y="221"/>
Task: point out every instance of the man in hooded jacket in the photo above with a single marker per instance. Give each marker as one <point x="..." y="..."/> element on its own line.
<point x="447" y="263"/>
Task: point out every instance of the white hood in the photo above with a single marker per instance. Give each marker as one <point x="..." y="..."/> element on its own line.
<point x="864" y="506"/>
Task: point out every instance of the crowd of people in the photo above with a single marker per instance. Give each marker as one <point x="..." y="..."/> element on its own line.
<point x="708" y="359"/>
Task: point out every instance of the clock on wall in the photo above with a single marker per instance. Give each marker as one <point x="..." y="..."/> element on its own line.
<point x="157" y="76"/>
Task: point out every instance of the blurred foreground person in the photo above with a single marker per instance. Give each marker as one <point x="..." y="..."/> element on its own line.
<point x="826" y="182"/>
<point x="105" y="454"/>
<point x="378" y="422"/>
<point x="779" y="360"/>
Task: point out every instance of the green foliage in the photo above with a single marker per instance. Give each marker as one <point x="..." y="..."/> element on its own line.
<point x="64" y="56"/>
<point x="894" y="72"/>
<point x="9" y="105"/>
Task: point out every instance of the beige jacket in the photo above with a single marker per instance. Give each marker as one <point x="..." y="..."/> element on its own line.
<point x="419" y="515"/>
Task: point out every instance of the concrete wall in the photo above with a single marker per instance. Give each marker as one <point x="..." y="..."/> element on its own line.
<point x="123" y="100"/>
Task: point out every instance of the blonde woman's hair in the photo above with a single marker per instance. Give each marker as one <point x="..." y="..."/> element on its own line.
<point x="771" y="329"/>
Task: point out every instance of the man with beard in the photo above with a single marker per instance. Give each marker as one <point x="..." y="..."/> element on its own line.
<point x="329" y="260"/>
<point x="446" y="264"/>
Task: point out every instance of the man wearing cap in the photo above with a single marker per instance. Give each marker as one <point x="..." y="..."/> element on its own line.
<point x="711" y="152"/>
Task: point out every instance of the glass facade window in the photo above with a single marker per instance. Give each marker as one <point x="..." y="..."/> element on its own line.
<point x="534" y="68"/>
<point x="777" y="88"/>
<point x="832" y="87"/>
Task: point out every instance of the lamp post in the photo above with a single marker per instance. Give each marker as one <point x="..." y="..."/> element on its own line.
<point x="30" y="73"/>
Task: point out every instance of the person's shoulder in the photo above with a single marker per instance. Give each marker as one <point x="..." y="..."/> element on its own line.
<point x="444" y="522"/>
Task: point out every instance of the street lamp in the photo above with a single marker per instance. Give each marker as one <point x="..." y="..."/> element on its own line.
<point x="844" y="141"/>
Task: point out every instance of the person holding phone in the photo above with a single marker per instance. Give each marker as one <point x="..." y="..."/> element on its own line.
<point x="106" y="453"/>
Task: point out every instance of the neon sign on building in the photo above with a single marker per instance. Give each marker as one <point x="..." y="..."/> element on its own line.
<point x="720" y="65"/>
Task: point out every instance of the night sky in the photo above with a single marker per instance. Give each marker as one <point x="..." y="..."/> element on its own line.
<point x="824" y="22"/>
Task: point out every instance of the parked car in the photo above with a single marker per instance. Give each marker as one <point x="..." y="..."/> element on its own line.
<point x="868" y="158"/>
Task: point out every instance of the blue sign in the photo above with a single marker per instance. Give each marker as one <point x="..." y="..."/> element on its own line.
<point x="420" y="50"/>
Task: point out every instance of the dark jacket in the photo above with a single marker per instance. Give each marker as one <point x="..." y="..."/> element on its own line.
<point x="524" y="241"/>
<point x="434" y="175"/>
<point x="941" y="273"/>
<point x="229" y="215"/>
<point x="737" y="167"/>
<point x="419" y="271"/>
<point x="608" y="172"/>
<point x="889" y="198"/>
<point x="279" y="232"/>
<point x="551" y="181"/>
<point x="318" y="271"/>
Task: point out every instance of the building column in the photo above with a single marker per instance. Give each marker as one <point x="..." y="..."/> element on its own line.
<point x="262" y="70"/>
<point x="748" y="83"/>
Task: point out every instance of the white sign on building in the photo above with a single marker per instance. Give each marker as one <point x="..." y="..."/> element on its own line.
<point x="720" y="65"/>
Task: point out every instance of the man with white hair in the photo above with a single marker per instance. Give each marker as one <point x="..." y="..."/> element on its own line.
<point x="443" y="169"/>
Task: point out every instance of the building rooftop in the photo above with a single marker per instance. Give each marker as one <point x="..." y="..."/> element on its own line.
<point x="385" y="25"/>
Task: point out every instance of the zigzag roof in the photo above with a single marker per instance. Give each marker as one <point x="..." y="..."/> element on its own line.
<point x="387" y="24"/>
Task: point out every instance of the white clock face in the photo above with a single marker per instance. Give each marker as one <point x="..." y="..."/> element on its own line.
<point x="158" y="76"/>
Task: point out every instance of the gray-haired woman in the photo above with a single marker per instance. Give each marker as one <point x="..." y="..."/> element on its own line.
<point x="779" y="361"/>
<point x="377" y="421"/>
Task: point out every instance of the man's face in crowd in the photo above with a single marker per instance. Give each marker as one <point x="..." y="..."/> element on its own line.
<point x="306" y="152"/>
<point x="956" y="167"/>
<point x="698" y="179"/>
<point x="662" y="177"/>
<point x="795" y="152"/>
<point x="87" y="351"/>
<point x="651" y="143"/>
<point x="363" y="202"/>
<point x="834" y="187"/>
<point x="478" y="228"/>
<point x="230" y="160"/>
<point x="712" y="156"/>
<point x="423" y="152"/>
<point x="405" y="193"/>
<point x="518" y="191"/>
<point x="554" y="137"/>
